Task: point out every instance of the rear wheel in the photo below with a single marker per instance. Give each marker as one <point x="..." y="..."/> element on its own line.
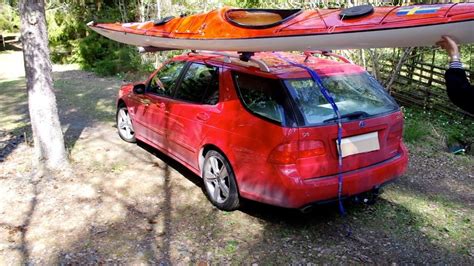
<point x="124" y="125"/>
<point x="219" y="182"/>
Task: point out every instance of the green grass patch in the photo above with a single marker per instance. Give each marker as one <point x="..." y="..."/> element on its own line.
<point x="436" y="219"/>
<point x="433" y="127"/>
<point x="14" y="108"/>
<point x="231" y="247"/>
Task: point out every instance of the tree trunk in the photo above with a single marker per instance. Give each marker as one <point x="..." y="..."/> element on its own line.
<point x="375" y="63"/>
<point x="47" y="135"/>
<point x="397" y="69"/>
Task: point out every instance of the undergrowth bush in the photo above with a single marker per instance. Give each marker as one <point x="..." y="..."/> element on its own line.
<point x="9" y="19"/>
<point x="107" y="57"/>
<point x="72" y="42"/>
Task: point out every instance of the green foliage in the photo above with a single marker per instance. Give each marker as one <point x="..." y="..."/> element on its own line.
<point x="9" y="19"/>
<point x="415" y="127"/>
<point x="64" y="32"/>
<point x="432" y="126"/>
<point x="107" y="57"/>
<point x="72" y="42"/>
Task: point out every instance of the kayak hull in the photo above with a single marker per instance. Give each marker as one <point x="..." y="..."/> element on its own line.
<point x="228" y="29"/>
<point x="462" y="32"/>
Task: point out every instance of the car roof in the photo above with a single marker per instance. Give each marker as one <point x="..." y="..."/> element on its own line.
<point x="277" y="63"/>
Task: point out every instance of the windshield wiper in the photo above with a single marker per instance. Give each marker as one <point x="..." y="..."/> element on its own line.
<point x="350" y="116"/>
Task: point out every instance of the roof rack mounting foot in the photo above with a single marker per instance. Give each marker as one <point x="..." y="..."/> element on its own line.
<point x="227" y="58"/>
<point x="245" y="56"/>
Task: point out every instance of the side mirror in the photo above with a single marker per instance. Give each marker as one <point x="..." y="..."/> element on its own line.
<point x="139" y="88"/>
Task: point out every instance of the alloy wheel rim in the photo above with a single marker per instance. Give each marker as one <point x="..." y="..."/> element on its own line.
<point x="125" y="124"/>
<point x="216" y="179"/>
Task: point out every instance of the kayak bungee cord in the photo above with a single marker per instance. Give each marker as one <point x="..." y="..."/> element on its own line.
<point x="317" y="80"/>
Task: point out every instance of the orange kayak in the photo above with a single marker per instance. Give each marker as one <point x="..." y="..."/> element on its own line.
<point x="251" y="30"/>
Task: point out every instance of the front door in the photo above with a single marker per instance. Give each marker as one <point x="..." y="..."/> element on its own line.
<point x="153" y="105"/>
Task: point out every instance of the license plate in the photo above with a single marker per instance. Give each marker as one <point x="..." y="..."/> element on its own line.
<point x="360" y="144"/>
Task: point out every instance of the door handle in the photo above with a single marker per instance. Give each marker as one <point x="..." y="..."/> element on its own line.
<point x="145" y="102"/>
<point x="162" y="106"/>
<point x="202" y="116"/>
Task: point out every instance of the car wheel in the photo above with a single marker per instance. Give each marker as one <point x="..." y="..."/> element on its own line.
<point x="124" y="125"/>
<point x="219" y="182"/>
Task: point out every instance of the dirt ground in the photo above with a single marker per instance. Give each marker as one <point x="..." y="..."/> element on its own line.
<point x="128" y="203"/>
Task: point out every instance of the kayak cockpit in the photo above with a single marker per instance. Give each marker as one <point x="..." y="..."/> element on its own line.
<point x="260" y="18"/>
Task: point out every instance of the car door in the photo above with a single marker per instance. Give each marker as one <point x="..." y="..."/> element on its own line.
<point x="193" y="108"/>
<point x="153" y="104"/>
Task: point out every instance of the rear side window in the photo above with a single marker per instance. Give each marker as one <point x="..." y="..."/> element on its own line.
<point x="264" y="97"/>
<point x="200" y="84"/>
<point x="165" y="79"/>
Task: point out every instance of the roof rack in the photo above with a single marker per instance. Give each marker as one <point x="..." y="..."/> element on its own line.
<point x="243" y="57"/>
<point x="327" y="53"/>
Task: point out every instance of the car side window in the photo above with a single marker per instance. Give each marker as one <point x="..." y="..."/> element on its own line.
<point x="200" y="84"/>
<point x="165" y="79"/>
<point x="263" y="96"/>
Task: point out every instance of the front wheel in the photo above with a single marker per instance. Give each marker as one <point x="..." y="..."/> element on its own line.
<point x="124" y="125"/>
<point x="219" y="182"/>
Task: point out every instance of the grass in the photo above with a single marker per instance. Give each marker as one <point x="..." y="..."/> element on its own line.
<point x="432" y="127"/>
<point x="441" y="221"/>
<point x="231" y="247"/>
<point x="14" y="110"/>
<point x="95" y="99"/>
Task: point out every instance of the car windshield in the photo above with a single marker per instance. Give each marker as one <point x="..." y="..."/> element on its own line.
<point x="357" y="95"/>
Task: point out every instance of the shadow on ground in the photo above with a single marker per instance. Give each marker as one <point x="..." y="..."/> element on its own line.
<point x="185" y="228"/>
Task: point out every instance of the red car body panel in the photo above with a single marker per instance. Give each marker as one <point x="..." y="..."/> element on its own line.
<point x="183" y="130"/>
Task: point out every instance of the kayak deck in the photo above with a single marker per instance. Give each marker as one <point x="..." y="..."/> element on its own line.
<point x="238" y="29"/>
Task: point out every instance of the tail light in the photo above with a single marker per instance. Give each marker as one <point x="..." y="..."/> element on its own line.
<point x="396" y="132"/>
<point x="288" y="153"/>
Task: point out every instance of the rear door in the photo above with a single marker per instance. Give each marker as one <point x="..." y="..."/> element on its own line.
<point x="193" y="108"/>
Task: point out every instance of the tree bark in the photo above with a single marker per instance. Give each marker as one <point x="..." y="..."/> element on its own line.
<point x="375" y="63"/>
<point x="47" y="135"/>
<point x="397" y="69"/>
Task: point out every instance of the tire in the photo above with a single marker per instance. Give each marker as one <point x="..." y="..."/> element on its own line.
<point x="124" y="125"/>
<point x="219" y="182"/>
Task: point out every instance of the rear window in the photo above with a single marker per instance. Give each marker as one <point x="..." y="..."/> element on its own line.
<point x="356" y="95"/>
<point x="265" y="98"/>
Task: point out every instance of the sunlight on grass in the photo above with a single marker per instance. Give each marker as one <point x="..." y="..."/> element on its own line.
<point x="13" y="110"/>
<point x="445" y="223"/>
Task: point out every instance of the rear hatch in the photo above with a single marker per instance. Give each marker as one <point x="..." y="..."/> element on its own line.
<point x="372" y="123"/>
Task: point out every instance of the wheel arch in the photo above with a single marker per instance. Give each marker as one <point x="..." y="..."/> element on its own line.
<point x="204" y="150"/>
<point x="208" y="147"/>
<point x="202" y="154"/>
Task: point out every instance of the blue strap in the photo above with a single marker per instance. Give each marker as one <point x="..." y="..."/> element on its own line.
<point x="317" y="80"/>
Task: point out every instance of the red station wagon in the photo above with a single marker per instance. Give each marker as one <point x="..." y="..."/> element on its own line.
<point x="260" y="129"/>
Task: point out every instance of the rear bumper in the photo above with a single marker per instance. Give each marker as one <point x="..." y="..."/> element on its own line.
<point x="297" y="193"/>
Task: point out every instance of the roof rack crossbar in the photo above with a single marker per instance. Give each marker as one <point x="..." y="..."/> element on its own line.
<point x="327" y="53"/>
<point x="227" y="58"/>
